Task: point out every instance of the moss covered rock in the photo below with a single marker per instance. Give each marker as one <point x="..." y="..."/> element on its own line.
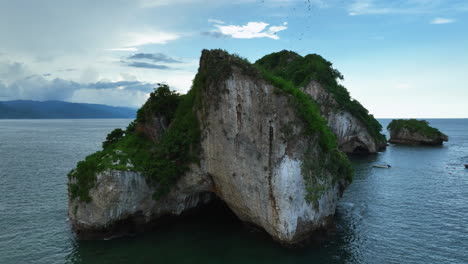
<point x="253" y="139"/>
<point x="414" y="132"/>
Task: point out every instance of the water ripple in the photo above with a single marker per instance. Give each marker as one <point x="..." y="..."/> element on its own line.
<point x="415" y="212"/>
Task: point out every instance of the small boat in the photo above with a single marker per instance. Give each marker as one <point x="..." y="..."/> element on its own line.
<point x="384" y="166"/>
<point x="466" y="166"/>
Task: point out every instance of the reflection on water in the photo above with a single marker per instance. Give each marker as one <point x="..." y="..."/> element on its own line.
<point x="213" y="236"/>
<point x="414" y="212"/>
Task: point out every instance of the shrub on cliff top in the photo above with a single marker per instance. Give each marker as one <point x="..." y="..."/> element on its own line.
<point x="113" y="137"/>
<point x="161" y="102"/>
<point x="414" y="126"/>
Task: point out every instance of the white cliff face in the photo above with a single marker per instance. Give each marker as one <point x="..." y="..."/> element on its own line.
<point x="297" y="217"/>
<point x="351" y="133"/>
<point x="253" y="149"/>
<point x="125" y="195"/>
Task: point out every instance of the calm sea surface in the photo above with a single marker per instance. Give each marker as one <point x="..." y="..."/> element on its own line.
<point x="415" y="212"/>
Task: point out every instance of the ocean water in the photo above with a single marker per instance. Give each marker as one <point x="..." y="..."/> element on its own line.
<point x="415" y="212"/>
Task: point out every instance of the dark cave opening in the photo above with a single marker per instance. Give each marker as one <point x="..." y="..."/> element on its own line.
<point x="360" y="150"/>
<point x="215" y="210"/>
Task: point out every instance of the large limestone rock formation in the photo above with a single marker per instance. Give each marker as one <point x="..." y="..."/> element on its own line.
<point x="257" y="156"/>
<point x="254" y="149"/>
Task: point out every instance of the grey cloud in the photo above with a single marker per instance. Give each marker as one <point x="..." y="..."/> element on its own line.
<point x="109" y="85"/>
<point x="10" y="71"/>
<point x="36" y="87"/>
<point x="125" y="85"/>
<point x="30" y="76"/>
<point x="67" y="70"/>
<point x="135" y="61"/>
<point x="44" y="58"/>
<point x="214" y="34"/>
<point x="3" y="90"/>
<point x="148" y="65"/>
<point x="46" y="74"/>
<point x="155" y="57"/>
<point x="23" y="21"/>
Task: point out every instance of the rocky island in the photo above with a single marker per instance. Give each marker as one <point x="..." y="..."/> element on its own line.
<point x="267" y="139"/>
<point x="415" y="132"/>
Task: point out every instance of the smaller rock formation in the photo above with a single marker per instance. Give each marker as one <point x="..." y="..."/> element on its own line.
<point x="353" y="135"/>
<point x="415" y="132"/>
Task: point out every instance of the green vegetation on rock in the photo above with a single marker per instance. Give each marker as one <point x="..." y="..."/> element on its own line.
<point x="162" y="162"/>
<point x="331" y="158"/>
<point x="165" y="161"/>
<point x="301" y="70"/>
<point x="131" y="152"/>
<point x="162" y="102"/>
<point x="113" y="137"/>
<point x="414" y="126"/>
<point x="316" y="171"/>
<point x="178" y="147"/>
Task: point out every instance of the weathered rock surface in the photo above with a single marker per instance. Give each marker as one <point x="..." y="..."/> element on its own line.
<point x="120" y="196"/>
<point x="414" y="132"/>
<point x="407" y="137"/>
<point x="351" y="133"/>
<point x="254" y="147"/>
<point x="255" y="153"/>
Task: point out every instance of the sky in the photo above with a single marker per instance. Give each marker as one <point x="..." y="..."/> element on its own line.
<point x="400" y="58"/>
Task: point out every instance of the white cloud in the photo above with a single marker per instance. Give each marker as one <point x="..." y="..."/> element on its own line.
<point x="131" y="40"/>
<point x="252" y="30"/>
<point x="361" y="7"/>
<point x="216" y="21"/>
<point x="123" y="49"/>
<point x="442" y="20"/>
<point x="134" y="39"/>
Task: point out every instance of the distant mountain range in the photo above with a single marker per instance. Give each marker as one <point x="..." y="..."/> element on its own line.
<point x="25" y="109"/>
